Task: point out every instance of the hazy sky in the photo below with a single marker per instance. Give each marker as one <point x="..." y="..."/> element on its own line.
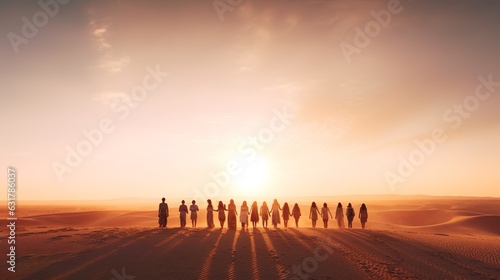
<point x="357" y="114"/>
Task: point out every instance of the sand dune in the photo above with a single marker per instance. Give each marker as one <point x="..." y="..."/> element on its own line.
<point x="413" y="241"/>
<point x="153" y="253"/>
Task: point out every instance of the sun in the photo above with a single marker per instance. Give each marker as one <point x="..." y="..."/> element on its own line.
<point x="253" y="177"/>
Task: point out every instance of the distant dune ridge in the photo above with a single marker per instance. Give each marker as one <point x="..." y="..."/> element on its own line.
<point x="437" y="238"/>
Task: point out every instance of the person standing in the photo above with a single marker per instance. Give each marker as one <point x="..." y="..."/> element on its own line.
<point x="324" y="213"/>
<point x="296" y="214"/>
<point x="194" y="213"/>
<point x="275" y="211"/>
<point x="339" y="215"/>
<point x="222" y="215"/>
<point x="231" y="215"/>
<point x="210" y="214"/>
<point x="363" y="215"/>
<point x="286" y="214"/>
<point x="349" y="212"/>
<point x="162" y="213"/>
<point x="313" y="214"/>
<point x="264" y="213"/>
<point x="183" y="210"/>
<point x="254" y="214"/>
<point x="244" y="215"/>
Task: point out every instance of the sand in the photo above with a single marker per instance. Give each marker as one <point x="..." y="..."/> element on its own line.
<point x="451" y="238"/>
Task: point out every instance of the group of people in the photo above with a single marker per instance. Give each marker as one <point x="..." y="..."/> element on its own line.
<point x="254" y="214"/>
<point x="339" y="215"/>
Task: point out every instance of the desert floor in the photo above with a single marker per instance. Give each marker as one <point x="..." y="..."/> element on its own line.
<point x="412" y="239"/>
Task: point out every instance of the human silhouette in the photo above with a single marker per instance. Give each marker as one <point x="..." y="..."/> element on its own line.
<point x="254" y="214"/>
<point x="264" y="213"/>
<point x="210" y="214"/>
<point x="363" y="215"/>
<point x="296" y="214"/>
<point x="194" y="213"/>
<point x="286" y="214"/>
<point x="222" y="215"/>
<point x="183" y="210"/>
<point x="231" y="215"/>
<point x="339" y="215"/>
<point x="313" y="214"/>
<point x="350" y="214"/>
<point x="324" y="214"/>
<point x="244" y="211"/>
<point x="162" y="213"/>
<point x="275" y="212"/>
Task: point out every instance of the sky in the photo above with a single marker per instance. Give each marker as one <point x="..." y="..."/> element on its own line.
<point x="207" y="99"/>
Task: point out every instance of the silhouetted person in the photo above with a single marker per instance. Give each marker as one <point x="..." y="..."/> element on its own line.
<point x="324" y="214"/>
<point x="286" y="214"/>
<point x="222" y="215"/>
<point x="244" y="215"/>
<point x="339" y="215"/>
<point x="194" y="213"/>
<point x="264" y="213"/>
<point x="210" y="214"/>
<point x="296" y="214"/>
<point x="363" y="215"/>
<point x="313" y="214"/>
<point x="275" y="211"/>
<point x="162" y="213"/>
<point x="254" y="214"/>
<point x="349" y="212"/>
<point x="183" y="210"/>
<point x="231" y="215"/>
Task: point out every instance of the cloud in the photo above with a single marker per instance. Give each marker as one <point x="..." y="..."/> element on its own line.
<point x="107" y="97"/>
<point x="111" y="60"/>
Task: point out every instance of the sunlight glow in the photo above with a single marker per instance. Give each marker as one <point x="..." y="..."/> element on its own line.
<point x="253" y="177"/>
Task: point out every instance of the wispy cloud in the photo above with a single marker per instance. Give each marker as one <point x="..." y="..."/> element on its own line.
<point x="109" y="96"/>
<point x="111" y="59"/>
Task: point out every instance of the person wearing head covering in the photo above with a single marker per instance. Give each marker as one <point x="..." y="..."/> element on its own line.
<point x="275" y="211"/>
<point x="231" y="215"/>
<point x="339" y="215"/>
<point x="162" y="213"/>
<point x="296" y="214"/>
<point x="286" y="214"/>
<point x="350" y="214"/>
<point x="363" y="215"/>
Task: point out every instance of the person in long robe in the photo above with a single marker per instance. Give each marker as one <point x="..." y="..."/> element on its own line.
<point x="231" y="215"/>
<point x="339" y="215"/>
<point x="183" y="210"/>
<point x="210" y="214"/>
<point x="162" y="213"/>
<point x="296" y="214"/>
<point x="363" y="215"/>
<point x="264" y="214"/>
<point x="275" y="211"/>
<point x="286" y="214"/>
<point x="350" y="214"/>
<point x="254" y="214"/>
<point x="244" y="212"/>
